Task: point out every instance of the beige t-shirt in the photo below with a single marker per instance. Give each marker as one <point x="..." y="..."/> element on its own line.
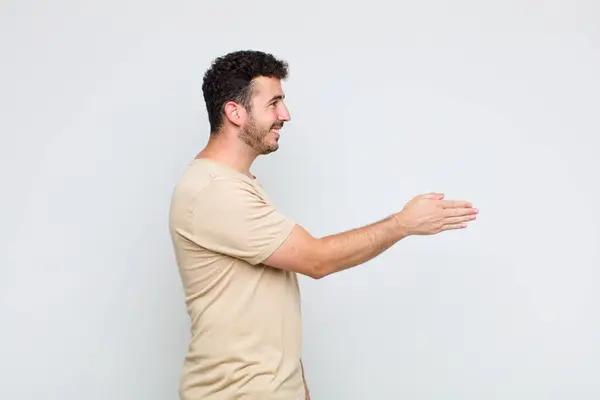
<point x="246" y="324"/>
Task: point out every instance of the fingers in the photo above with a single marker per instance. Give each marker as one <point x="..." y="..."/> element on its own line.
<point x="433" y="196"/>
<point x="459" y="220"/>
<point x="454" y="226"/>
<point x="455" y="204"/>
<point x="459" y="212"/>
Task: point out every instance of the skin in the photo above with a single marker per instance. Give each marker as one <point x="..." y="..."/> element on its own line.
<point x="247" y="134"/>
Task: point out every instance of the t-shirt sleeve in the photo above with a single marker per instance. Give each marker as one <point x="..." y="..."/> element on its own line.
<point x="230" y="217"/>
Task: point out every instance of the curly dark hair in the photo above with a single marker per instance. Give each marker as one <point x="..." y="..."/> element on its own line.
<point x="230" y="79"/>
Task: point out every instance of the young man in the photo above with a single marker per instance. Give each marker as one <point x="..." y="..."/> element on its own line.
<point x="238" y="256"/>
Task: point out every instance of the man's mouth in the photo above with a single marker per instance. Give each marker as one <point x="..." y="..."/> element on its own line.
<point x="276" y="129"/>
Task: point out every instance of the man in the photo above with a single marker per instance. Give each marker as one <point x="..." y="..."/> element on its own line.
<point x="239" y="257"/>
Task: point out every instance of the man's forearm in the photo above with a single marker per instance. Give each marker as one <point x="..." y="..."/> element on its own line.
<point x="354" y="247"/>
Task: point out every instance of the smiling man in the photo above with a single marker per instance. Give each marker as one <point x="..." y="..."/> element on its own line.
<point x="239" y="257"/>
<point x="246" y="328"/>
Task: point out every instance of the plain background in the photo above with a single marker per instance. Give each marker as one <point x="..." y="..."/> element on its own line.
<point x="492" y="102"/>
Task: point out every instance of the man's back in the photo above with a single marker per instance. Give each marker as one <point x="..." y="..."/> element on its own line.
<point x="246" y="324"/>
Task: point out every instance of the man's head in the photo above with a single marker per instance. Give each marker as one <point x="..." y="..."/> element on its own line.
<point x="242" y="90"/>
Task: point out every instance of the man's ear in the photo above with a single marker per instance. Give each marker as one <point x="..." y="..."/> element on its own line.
<point x="235" y="113"/>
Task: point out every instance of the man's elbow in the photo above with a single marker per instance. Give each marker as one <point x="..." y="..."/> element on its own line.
<point x="316" y="274"/>
<point x="318" y="269"/>
<point x="320" y="261"/>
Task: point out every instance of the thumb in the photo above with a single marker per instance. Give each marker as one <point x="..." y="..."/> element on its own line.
<point x="434" y="196"/>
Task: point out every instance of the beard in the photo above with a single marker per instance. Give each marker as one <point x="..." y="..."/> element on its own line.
<point x="258" y="138"/>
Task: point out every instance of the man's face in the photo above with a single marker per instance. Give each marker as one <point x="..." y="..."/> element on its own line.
<point x="268" y="114"/>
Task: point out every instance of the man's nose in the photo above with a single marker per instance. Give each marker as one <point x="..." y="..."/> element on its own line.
<point x="285" y="115"/>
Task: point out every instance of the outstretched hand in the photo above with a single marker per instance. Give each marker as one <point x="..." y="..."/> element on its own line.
<point x="429" y="214"/>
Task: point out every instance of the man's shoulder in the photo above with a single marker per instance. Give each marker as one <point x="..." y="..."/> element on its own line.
<point x="204" y="176"/>
<point x="209" y="186"/>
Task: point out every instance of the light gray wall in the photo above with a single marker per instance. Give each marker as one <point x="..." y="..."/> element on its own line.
<point x="494" y="102"/>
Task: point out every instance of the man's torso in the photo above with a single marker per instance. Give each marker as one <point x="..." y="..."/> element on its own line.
<point x="245" y="316"/>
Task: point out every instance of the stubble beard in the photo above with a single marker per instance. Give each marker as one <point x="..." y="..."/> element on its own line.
<point x="256" y="137"/>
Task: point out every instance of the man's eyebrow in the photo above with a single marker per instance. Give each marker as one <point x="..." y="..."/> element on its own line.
<point x="278" y="97"/>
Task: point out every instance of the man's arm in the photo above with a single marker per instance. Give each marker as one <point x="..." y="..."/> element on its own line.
<point x="423" y="215"/>
<point x="317" y="258"/>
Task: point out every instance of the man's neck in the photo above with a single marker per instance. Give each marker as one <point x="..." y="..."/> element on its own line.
<point x="232" y="153"/>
